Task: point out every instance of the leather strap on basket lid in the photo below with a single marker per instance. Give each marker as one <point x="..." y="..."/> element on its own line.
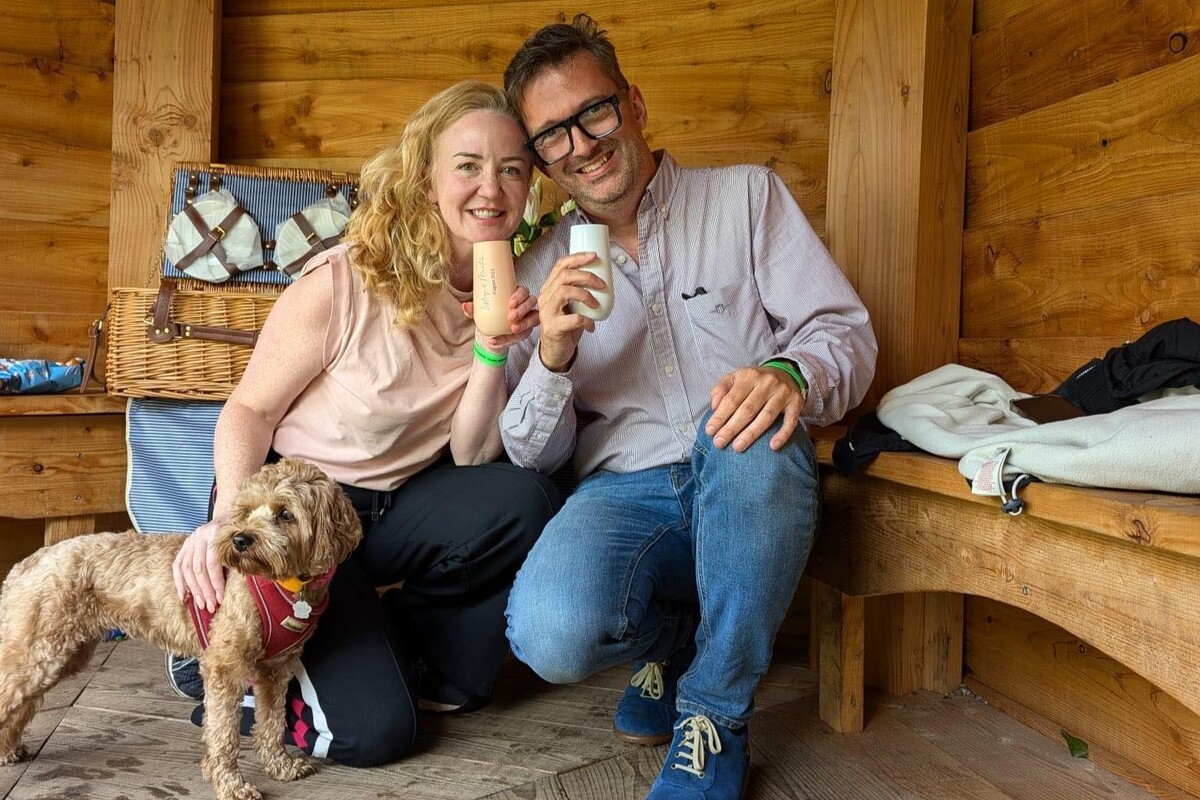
<point x="314" y="239"/>
<point x="161" y="330"/>
<point x="211" y="239"/>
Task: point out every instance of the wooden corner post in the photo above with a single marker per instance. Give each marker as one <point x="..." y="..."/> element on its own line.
<point x="167" y="75"/>
<point x="897" y="167"/>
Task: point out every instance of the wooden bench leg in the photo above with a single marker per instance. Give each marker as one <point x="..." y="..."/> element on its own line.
<point x="841" y="655"/>
<point x="943" y="645"/>
<point x="59" y="528"/>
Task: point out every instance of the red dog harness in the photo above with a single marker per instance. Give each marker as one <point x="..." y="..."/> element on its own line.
<point x="287" y="621"/>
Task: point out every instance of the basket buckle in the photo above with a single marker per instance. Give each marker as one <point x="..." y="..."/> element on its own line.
<point x="218" y="233"/>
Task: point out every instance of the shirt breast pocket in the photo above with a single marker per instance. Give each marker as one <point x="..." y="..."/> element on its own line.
<point x="723" y="328"/>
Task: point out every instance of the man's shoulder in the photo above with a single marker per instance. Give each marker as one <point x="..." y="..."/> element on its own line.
<point x="727" y="172"/>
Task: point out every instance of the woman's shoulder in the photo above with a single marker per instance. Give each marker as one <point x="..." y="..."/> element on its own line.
<point x="337" y="258"/>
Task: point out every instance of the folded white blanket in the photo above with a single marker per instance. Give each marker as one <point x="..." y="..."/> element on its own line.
<point x="958" y="412"/>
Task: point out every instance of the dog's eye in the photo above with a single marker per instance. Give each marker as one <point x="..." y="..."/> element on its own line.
<point x="285" y="515"/>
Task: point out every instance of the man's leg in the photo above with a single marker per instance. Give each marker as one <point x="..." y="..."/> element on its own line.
<point x="754" y="519"/>
<point x="610" y="581"/>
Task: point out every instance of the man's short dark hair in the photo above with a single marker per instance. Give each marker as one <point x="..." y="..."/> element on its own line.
<point x="556" y="44"/>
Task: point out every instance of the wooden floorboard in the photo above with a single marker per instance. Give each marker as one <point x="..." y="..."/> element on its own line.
<point x="116" y="732"/>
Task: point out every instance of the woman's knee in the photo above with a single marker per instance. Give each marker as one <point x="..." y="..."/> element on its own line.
<point x="380" y="737"/>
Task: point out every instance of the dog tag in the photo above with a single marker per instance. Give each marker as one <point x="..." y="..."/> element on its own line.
<point x="301" y="610"/>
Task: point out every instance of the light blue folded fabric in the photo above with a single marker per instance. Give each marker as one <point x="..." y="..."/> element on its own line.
<point x="39" y="376"/>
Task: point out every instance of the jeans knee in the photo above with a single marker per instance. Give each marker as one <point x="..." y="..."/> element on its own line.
<point x="553" y="640"/>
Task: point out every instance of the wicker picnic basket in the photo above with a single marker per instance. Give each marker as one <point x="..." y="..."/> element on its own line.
<point x="186" y="339"/>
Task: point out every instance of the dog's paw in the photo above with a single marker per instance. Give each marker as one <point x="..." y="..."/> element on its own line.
<point x="290" y="768"/>
<point x="19" y="754"/>
<point x="245" y="792"/>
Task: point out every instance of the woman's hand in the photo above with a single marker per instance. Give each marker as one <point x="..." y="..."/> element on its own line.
<point x="197" y="572"/>
<point x="522" y="319"/>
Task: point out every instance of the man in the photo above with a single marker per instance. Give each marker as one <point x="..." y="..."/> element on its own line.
<point x="682" y="547"/>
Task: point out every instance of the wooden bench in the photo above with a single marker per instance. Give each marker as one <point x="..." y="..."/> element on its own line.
<point x="1117" y="569"/>
<point x="62" y="458"/>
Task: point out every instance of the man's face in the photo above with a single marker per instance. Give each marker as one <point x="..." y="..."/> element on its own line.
<point x="602" y="174"/>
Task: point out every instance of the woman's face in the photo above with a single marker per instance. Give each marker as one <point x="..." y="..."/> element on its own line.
<point x="480" y="180"/>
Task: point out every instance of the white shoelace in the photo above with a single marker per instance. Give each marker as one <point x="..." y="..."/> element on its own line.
<point x="650" y="680"/>
<point x="699" y="735"/>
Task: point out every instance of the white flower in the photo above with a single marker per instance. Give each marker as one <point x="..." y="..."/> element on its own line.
<point x="533" y="204"/>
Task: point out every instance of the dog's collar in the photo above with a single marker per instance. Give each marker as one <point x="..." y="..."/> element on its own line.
<point x="295" y="583"/>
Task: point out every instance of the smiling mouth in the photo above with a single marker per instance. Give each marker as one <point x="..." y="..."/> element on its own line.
<point x="589" y="168"/>
<point x="483" y="213"/>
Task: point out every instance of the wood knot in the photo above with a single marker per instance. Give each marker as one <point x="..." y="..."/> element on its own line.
<point x="38" y="469"/>
<point x="828" y="84"/>
<point x="1178" y="42"/>
<point x="1139" y="532"/>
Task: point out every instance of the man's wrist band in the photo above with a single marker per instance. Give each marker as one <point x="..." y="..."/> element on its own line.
<point x="790" y="370"/>
<point x="491" y="359"/>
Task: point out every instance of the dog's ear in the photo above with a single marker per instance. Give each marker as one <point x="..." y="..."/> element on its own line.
<point x="337" y="529"/>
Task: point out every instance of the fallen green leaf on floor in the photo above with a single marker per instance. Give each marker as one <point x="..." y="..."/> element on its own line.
<point x="1078" y="747"/>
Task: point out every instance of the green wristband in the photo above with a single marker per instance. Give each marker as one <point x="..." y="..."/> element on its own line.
<point x="491" y="359"/>
<point x="790" y="370"/>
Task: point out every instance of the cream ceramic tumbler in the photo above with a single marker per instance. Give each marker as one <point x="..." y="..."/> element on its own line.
<point x="594" y="239"/>
<point x="495" y="281"/>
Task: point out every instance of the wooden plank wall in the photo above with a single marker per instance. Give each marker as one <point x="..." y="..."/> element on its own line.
<point x="1082" y="231"/>
<point x="1083" y="181"/>
<point x="56" y="60"/>
<point x="724" y="82"/>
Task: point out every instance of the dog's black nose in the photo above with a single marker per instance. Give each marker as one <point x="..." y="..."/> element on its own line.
<point x="242" y="541"/>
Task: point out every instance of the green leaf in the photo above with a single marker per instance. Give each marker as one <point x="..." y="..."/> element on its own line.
<point x="1078" y="747"/>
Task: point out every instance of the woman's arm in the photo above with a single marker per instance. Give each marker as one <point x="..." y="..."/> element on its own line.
<point x="288" y="356"/>
<point x="475" y="429"/>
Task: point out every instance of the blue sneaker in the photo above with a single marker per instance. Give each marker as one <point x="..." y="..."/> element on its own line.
<point x="706" y="762"/>
<point x="646" y="711"/>
<point x="183" y="675"/>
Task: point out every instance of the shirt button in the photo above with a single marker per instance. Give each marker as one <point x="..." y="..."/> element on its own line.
<point x="683" y="427"/>
<point x="669" y="369"/>
<point x="621" y="259"/>
<point x="656" y="309"/>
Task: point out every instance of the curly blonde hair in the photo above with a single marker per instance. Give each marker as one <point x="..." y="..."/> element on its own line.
<point x="399" y="243"/>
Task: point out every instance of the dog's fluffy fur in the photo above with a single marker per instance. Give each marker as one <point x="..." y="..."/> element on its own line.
<point x="58" y="604"/>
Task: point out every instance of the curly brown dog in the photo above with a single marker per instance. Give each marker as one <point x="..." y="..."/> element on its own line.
<point x="290" y="527"/>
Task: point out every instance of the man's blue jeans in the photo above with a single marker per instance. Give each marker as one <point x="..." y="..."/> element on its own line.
<point x="634" y="563"/>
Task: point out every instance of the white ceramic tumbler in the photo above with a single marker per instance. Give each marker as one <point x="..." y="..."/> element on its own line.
<point x="495" y="281"/>
<point x="594" y="239"/>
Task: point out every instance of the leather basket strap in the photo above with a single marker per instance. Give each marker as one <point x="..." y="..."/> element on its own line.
<point x="317" y="244"/>
<point x="210" y="239"/>
<point x="94" y="333"/>
<point x="160" y="329"/>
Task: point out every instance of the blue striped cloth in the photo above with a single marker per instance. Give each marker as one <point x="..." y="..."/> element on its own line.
<point x="268" y="200"/>
<point x="170" y="463"/>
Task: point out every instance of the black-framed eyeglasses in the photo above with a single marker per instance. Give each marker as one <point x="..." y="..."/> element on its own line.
<point x="598" y="120"/>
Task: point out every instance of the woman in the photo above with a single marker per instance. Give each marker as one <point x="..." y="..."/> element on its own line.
<point x="368" y="367"/>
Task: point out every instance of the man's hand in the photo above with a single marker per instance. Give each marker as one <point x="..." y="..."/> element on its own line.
<point x="196" y="569"/>
<point x="561" y="330"/>
<point x="747" y="401"/>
